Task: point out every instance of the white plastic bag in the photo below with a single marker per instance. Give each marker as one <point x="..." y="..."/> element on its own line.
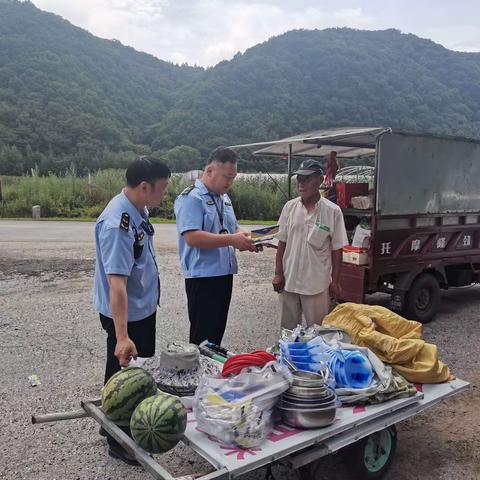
<point x="361" y="238"/>
<point x="237" y="410"/>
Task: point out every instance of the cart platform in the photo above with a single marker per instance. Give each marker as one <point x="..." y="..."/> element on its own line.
<point x="351" y="424"/>
<point x="294" y="447"/>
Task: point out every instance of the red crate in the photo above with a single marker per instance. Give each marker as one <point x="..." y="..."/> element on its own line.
<point x="345" y="192"/>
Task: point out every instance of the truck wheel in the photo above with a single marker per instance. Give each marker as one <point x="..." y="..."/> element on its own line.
<point x="423" y="298"/>
<point x="371" y="457"/>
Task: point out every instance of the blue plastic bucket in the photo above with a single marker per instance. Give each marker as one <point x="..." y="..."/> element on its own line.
<point x="358" y="370"/>
<point x="350" y="368"/>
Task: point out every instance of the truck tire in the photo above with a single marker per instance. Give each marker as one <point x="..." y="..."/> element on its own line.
<point x="423" y="298"/>
<point x="371" y="457"/>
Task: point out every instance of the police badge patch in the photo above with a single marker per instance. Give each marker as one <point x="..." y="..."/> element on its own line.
<point x="125" y="221"/>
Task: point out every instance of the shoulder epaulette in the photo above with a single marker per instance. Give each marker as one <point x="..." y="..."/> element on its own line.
<point x="125" y="221"/>
<point x="188" y="190"/>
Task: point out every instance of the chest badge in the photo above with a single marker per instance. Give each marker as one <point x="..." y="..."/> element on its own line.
<point x="322" y="226"/>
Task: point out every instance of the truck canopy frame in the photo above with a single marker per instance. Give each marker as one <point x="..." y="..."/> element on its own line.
<point x="414" y="182"/>
<point x="348" y="142"/>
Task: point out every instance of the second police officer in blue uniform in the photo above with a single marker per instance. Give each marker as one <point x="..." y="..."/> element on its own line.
<point x="208" y="236"/>
<point x="127" y="285"/>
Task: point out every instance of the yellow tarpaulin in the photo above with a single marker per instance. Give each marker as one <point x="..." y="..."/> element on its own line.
<point x="393" y="339"/>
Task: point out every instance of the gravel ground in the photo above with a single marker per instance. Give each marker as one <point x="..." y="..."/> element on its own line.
<point x="48" y="327"/>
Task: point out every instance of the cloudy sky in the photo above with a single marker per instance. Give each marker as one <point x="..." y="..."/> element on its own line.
<point x="204" y="32"/>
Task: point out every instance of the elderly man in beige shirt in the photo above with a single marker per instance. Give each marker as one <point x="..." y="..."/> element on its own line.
<point x="307" y="265"/>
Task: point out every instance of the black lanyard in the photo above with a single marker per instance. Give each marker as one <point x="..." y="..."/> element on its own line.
<point x="220" y="212"/>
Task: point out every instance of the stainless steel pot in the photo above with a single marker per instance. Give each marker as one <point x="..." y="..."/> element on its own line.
<point x="330" y="402"/>
<point x="307" y="379"/>
<point x="307" y="401"/>
<point x="307" y="392"/>
<point x="308" y="418"/>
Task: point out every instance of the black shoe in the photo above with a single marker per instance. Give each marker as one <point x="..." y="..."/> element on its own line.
<point x="102" y="432"/>
<point x="116" y="451"/>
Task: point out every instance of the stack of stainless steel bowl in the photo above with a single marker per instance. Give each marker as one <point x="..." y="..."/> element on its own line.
<point x="308" y="403"/>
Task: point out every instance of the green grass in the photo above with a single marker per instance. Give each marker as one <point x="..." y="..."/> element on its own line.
<point x="68" y="196"/>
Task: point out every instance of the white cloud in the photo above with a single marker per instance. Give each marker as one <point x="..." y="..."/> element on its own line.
<point x="204" y="32"/>
<point x="201" y="32"/>
<point x="463" y="38"/>
<point x="230" y="27"/>
<point x="247" y="25"/>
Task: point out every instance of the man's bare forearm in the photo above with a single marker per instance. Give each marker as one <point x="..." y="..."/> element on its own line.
<point x="119" y="304"/>
<point x="279" y="258"/>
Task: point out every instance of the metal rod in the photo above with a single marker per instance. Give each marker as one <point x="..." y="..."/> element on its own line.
<point x="56" y="417"/>
<point x="148" y="463"/>
<point x="289" y="364"/>
<point x="208" y="352"/>
<point x="289" y="167"/>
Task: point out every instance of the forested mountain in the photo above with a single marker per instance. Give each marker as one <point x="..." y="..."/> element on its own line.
<point x="65" y="93"/>
<point x="305" y="80"/>
<point x="69" y="97"/>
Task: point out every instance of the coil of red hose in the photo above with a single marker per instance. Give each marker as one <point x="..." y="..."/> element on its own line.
<point x="234" y="365"/>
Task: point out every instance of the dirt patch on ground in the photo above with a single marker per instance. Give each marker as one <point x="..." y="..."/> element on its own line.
<point x="35" y="267"/>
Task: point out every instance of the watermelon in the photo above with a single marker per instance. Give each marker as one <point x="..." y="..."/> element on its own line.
<point x="124" y="391"/>
<point x="158" y="423"/>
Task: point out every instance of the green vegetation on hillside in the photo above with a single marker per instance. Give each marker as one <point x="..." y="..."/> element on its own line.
<point x="69" y="98"/>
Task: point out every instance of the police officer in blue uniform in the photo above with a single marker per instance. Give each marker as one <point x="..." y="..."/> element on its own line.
<point x="127" y="283"/>
<point x="208" y="236"/>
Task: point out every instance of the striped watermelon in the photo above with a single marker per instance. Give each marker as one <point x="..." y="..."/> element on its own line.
<point x="124" y="391"/>
<point x="158" y="423"/>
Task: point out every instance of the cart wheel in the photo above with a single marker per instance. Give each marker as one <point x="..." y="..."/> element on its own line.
<point x="370" y="457"/>
<point x="423" y="298"/>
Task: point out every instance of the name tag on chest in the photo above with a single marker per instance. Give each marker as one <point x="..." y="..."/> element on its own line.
<point x="322" y="226"/>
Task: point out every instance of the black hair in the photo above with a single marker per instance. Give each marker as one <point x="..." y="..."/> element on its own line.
<point x="146" y="169"/>
<point x="223" y="155"/>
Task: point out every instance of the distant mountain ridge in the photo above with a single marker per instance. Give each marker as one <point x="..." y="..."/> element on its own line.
<point x="68" y="97"/>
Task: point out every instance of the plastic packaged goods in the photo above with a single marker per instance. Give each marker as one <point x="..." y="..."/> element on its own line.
<point x="238" y="410"/>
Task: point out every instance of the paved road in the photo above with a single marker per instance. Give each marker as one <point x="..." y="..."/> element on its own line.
<point x="70" y="232"/>
<point x="44" y="231"/>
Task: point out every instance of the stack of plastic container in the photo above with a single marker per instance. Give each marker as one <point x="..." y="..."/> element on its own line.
<point x="308" y="356"/>
<point x="342" y="368"/>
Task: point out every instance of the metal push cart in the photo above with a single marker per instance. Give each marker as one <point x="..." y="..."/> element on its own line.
<point x="368" y="430"/>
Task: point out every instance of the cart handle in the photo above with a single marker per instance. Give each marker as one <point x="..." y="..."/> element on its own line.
<point x="56" y="417"/>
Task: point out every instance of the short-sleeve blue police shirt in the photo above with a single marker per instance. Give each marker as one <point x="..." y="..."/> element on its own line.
<point x="198" y="209"/>
<point x="114" y="243"/>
